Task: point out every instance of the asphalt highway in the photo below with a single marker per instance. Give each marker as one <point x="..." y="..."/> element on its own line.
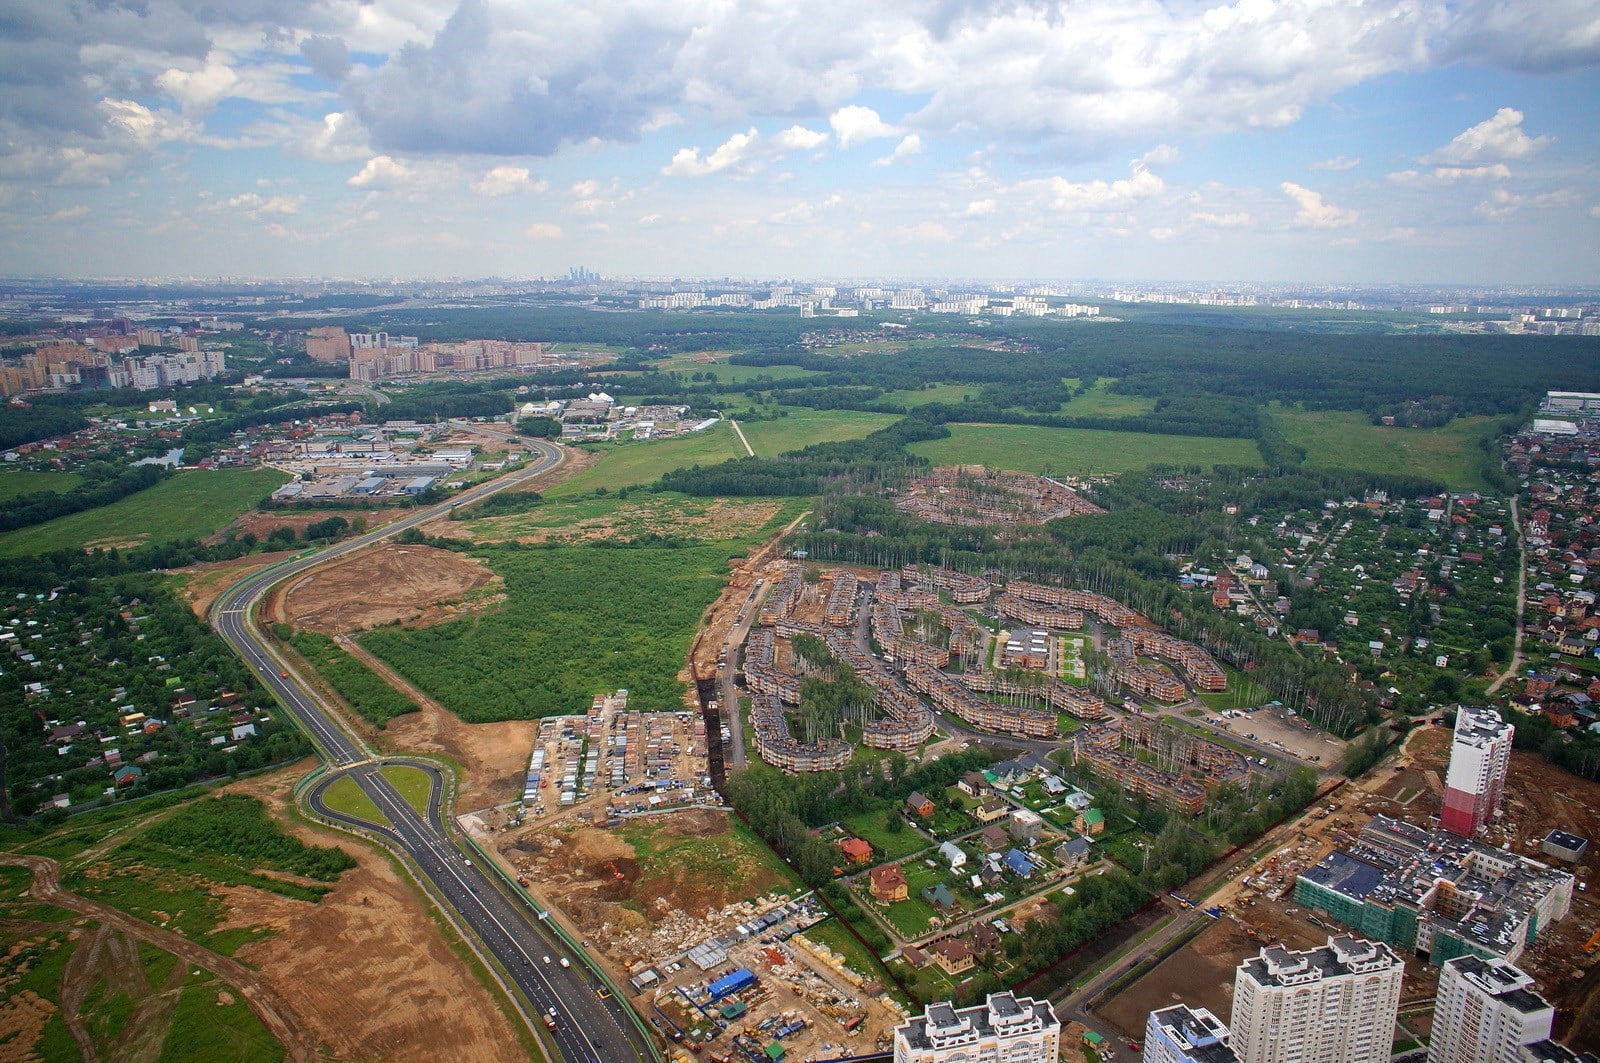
<point x="588" y="1029"/>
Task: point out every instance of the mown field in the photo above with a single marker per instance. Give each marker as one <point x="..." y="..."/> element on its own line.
<point x="184" y="506"/>
<point x="631" y="464"/>
<point x="14" y="482"/>
<point x="667" y="514"/>
<point x="1098" y="402"/>
<point x="802" y="427"/>
<point x="1079" y="451"/>
<point x="951" y="393"/>
<point x="578" y="621"/>
<point x="1348" y="440"/>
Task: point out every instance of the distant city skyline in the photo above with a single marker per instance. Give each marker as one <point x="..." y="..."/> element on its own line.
<point x="1308" y="141"/>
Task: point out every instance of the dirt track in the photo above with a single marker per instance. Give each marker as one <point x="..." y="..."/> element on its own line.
<point x="274" y="1013"/>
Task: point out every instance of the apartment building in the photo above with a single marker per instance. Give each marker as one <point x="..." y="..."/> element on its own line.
<point x="1480" y="753"/>
<point x="1486" y="1011"/>
<point x="1006" y="1027"/>
<point x="1334" y="1004"/>
<point x="1181" y="1034"/>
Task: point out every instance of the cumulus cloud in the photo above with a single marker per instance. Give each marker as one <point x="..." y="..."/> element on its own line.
<point x="506" y="180"/>
<point x="909" y="145"/>
<point x="1099" y="195"/>
<point x="854" y="124"/>
<point x="1339" y="163"/>
<point x="799" y="138"/>
<point x="381" y="172"/>
<point x="980" y="208"/>
<point x="1495" y="172"/>
<point x="1493" y="140"/>
<point x="542" y="230"/>
<point x="733" y="151"/>
<point x="255" y="205"/>
<point x="1313" y="211"/>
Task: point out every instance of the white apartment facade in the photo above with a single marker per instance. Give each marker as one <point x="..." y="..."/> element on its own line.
<point x="1181" y="1034"/>
<point x="1334" y="1004"/>
<point x="1486" y="1012"/>
<point x="1005" y="1029"/>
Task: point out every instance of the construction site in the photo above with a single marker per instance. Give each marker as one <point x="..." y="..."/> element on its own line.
<point x="1259" y="908"/>
<point x="974" y="496"/>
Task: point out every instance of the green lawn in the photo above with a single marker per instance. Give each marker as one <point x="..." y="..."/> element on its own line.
<point x="14" y="482"/>
<point x="1348" y="440"/>
<point x="413" y="784"/>
<point x="1079" y="451"/>
<point x="188" y="505"/>
<point x="206" y="1025"/>
<point x="627" y="464"/>
<point x="951" y="393"/>
<point x="803" y="427"/>
<point x="832" y="934"/>
<point x="887" y="846"/>
<point x="346" y="796"/>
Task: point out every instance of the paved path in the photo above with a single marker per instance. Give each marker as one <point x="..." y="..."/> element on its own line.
<point x="496" y="920"/>
<point x="274" y="1013"/>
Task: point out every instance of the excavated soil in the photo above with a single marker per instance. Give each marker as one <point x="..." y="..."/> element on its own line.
<point x="414" y="585"/>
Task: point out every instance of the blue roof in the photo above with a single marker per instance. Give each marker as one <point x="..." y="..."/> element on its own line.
<point x="731" y="983"/>
<point x="1018" y="861"/>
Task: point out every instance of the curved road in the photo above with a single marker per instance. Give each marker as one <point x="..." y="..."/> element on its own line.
<point x="587" y="1028"/>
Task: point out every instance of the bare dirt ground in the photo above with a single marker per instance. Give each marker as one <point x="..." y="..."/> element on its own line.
<point x="204" y="582"/>
<point x="415" y="585"/>
<point x="575" y="868"/>
<point x="409" y="998"/>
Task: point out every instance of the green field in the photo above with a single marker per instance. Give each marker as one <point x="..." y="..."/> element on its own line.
<point x="802" y="427"/>
<point x="668" y="514"/>
<point x="629" y="464"/>
<point x="1098" y="402"/>
<point x="346" y="796"/>
<point x="361" y="689"/>
<point x="14" y="482"/>
<point x="188" y="505"/>
<point x="1079" y="451"/>
<point x="413" y="784"/>
<point x="1348" y="440"/>
<point x="212" y="1021"/>
<point x="578" y="621"/>
<point x="951" y="393"/>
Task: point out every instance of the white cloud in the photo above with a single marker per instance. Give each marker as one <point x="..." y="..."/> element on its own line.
<point x="854" y="124"/>
<point x="1493" y="140"/>
<point x="733" y="151"/>
<point x="1313" y="211"/>
<point x="1100" y="195"/>
<point x="1496" y="172"/>
<point x="255" y="205"/>
<point x="381" y="172"/>
<point x="1160" y="155"/>
<point x="1502" y="203"/>
<point x="542" y="230"/>
<point x="68" y="213"/>
<point x="198" y="91"/>
<point x="143" y="126"/>
<point x="909" y="145"/>
<point x="799" y="138"/>
<point x="980" y="208"/>
<point x="1339" y="163"/>
<point x="505" y="180"/>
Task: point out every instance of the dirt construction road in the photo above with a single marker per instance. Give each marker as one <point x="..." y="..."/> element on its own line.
<point x="282" y="1023"/>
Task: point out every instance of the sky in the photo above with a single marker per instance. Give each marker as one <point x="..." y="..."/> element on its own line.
<point x="1315" y="141"/>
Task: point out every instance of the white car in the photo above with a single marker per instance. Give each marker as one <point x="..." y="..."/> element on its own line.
<point x="565" y="962"/>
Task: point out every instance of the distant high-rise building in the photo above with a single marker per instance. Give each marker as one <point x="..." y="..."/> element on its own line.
<point x="1479" y="757"/>
<point x="1486" y="1011"/>
<point x="1181" y="1034"/>
<point x="1006" y="1027"/>
<point x="329" y="343"/>
<point x="1334" y="1004"/>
